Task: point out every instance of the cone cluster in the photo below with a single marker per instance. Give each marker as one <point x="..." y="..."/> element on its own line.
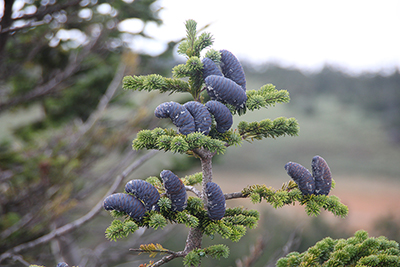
<point x="228" y="85"/>
<point x="318" y="183"/>
<point x="225" y="84"/>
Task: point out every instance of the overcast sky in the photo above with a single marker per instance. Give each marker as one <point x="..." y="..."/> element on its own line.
<point x="354" y="35"/>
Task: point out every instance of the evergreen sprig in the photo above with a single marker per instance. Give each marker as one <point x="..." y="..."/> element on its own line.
<point x="155" y="82"/>
<point x="193" y="45"/>
<point x="290" y="194"/>
<point x="120" y="229"/>
<point x="170" y="140"/>
<point x="230" y="137"/>
<point x="360" y="250"/>
<point x="193" y="179"/>
<point x="267" y="128"/>
<point x="233" y="225"/>
<point x="264" y="97"/>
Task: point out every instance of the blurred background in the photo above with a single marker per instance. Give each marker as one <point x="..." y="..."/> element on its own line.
<point x="66" y="125"/>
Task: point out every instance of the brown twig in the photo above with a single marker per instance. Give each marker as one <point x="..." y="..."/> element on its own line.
<point x="194" y="190"/>
<point x="234" y="195"/>
<point x="168" y="258"/>
<point x="84" y="219"/>
<point x="256" y="252"/>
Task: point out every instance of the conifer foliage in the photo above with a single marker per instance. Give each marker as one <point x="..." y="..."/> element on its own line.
<point x="202" y="129"/>
<point x="359" y="250"/>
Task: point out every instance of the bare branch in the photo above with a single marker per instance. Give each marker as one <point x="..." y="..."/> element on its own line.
<point x="29" y="24"/>
<point x="20" y="259"/>
<point x="194" y="190"/>
<point x="103" y="103"/>
<point x="292" y="243"/>
<point x="21" y="223"/>
<point x="255" y="253"/>
<point x="166" y="251"/>
<point x="168" y="258"/>
<point x="234" y="195"/>
<point x="79" y="222"/>
<point x="44" y="10"/>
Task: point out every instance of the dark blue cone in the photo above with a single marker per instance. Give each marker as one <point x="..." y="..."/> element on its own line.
<point x="215" y="201"/>
<point x="322" y="176"/>
<point x="222" y="115"/>
<point x="210" y="68"/>
<point x="226" y="91"/>
<point x="175" y="190"/>
<point x="179" y="115"/>
<point x="125" y="203"/>
<point x="202" y="118"/>
<point x="302" y="177"/>
<point x="145" y="192"/>
<point x="232" y="69"/>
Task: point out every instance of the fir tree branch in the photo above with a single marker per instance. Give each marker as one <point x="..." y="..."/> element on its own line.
<point x="154" y="82"/>
<point x="82" y="220"/>
<point x="266" y="128"/>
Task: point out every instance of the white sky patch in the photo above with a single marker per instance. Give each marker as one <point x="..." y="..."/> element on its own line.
<point x="131" y="25"/>
<point x="104" y="9"/>
<point x="356" y="35"/>
<point x="144" y="45"/>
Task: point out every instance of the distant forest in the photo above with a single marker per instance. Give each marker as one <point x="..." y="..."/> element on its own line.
<point x="377" y="95"/>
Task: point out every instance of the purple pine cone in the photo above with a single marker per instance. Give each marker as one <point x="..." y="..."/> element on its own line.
<point x="302" y="177"/>
<point x="226" y="91"/>
<point x="215" y="201"/>
<point x="179" y="115"/>
<point x="222" y="115"/>
<point x="232" y="69"/>
<point x="175" y="190"/>
<point x="210" y="68"/>
<point x="322" y="176"/>
<point x="126" y="203"/>
<point x="202" y="118"/>
<point x="145" y="192"/>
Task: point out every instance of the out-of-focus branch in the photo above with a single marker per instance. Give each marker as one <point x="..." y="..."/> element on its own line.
<point x="255" y="253"/>
<point x="21" y="223"/>
<point x="292" y="244"/>
<point x="103" y="103"/>
<point x="49" y="87"/>
<point x="44" y="10"/>
<point x="30" y="24"/>
<point x="86" y="218"/>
